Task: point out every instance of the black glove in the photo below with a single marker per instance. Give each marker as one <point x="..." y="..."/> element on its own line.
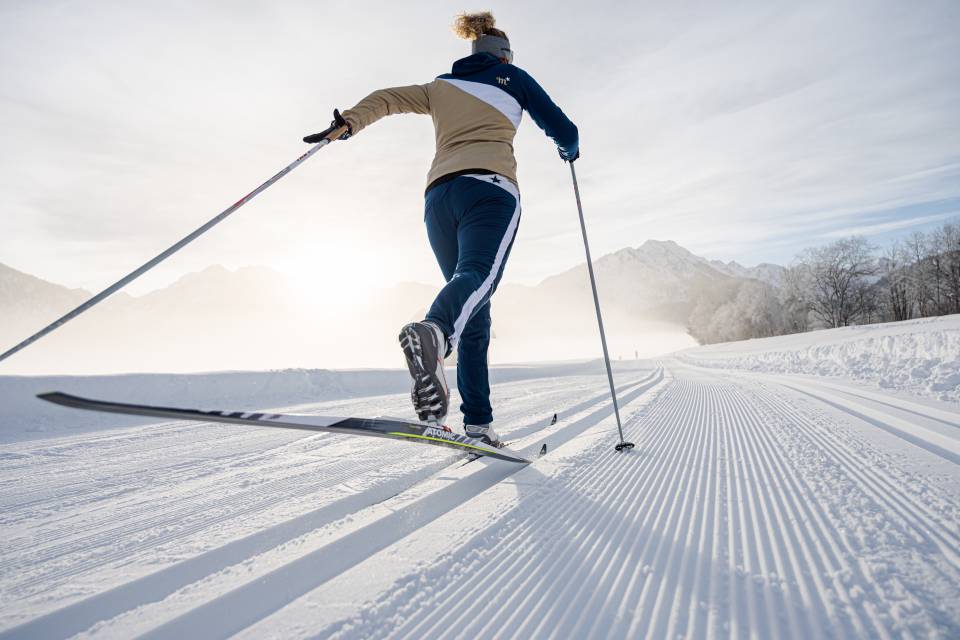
<point x="566" y="158"/>
<point x="337" y="123"/>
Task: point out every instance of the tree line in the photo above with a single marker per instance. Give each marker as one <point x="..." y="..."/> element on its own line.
<point x="846" y="282"/>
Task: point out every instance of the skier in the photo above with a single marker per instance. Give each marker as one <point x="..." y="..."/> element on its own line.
<point x="472" y="207"/>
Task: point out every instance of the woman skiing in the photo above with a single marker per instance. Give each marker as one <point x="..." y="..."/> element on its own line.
<point x="472" y="207"/>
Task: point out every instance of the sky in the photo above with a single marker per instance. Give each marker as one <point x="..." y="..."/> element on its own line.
<point x="741" y="130"/>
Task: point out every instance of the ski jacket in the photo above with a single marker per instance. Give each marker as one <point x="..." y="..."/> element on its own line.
<point x="476" y="110"/>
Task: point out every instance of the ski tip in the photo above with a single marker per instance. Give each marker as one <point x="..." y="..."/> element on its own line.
<point x="66" y="400"/>
<point x="56" y="397"/>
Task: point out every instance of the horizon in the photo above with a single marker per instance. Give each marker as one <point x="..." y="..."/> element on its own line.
<point x="136" y="292"/>
<point x="235" y="269"/>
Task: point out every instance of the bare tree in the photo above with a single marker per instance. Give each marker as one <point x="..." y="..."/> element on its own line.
<point x="838" y="275"/>
<point x="944" y="257"/>
<point x="895" y="279"/>
<point x="916" y="245"/>
<point x="951" y="247"/>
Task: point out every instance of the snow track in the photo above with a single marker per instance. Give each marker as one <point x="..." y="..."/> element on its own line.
<point x="754" y="504"/>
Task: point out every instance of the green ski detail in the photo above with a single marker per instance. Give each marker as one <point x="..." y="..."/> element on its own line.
<point x="441" y="440"/>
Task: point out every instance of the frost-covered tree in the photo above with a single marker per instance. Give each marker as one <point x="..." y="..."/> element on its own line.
<point x="753" y="312"/>
<point x="795" y="299"/>
<point x="759" y="310"/>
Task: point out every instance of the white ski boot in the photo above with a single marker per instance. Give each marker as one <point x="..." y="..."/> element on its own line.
<point x="425" y="348"/>
<point x="483" y="432"/>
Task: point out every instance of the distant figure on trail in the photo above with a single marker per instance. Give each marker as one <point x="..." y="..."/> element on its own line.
<point x="472" y="207"/>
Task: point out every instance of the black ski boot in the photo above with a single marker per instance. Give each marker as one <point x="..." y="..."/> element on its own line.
<point x="425" y="348"/>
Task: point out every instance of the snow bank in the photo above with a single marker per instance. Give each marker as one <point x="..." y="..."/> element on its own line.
<point x="917" y="356"/>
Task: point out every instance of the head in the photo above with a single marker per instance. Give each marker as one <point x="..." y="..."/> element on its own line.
<point x="479" y="27"/>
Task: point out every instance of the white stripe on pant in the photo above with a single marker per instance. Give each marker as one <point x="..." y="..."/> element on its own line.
<point x="477" y="296"/>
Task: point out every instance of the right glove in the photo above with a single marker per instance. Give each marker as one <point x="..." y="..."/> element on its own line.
<point x="337" y="123"/>
<point x="566" y="157"/>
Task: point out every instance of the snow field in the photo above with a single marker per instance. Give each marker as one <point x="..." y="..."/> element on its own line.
<point x="754" y="504"/>
<point x="149" y="509"/>
<point x="748" y="512"/>
<point x="918" y="356"/>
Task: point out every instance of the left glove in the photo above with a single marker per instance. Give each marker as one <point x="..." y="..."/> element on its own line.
<point x="566" y="157"/>
<point x="337" y="123"/>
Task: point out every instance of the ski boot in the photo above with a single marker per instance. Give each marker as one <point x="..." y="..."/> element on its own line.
<point x="483" y="432"/>
<point x="425" y="348"/>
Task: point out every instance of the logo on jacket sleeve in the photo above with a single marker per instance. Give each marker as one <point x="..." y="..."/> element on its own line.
<point x="503" y="81"/>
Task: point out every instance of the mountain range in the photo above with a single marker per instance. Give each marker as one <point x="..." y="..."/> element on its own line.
<point x="253" y="318"/>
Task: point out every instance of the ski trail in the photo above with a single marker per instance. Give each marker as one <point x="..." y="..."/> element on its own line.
<point x="256" y="448"/>
<point x="231" y="612"/>
<point x="747" y="509"/>
<point x="285" y="464"/>
<point x="945" y="445"/>
<point x="925" y="516"/>
<point x="754" y="505"/>
<point x="467" y="595"/>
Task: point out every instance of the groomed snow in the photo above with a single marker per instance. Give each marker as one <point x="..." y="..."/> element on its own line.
<point x="921" y="357"/>
<point x="754" y="504"/>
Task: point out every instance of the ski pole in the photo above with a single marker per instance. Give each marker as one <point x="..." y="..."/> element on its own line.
<point x="596" y="303"/>
<point x="133" y="275"/>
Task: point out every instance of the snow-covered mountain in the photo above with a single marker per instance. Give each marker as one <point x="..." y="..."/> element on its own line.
<point x="28" y="303"/>
<point x="772" y="274"/>
<point x="254" y="318"/>
<point x="212" y="314"/>
<point x="659" y="279"/>
<point x="24" y="295"/>
<point x="663" y="261"/>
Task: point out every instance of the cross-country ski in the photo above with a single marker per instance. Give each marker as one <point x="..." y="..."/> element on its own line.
<point x="370" y="427"/>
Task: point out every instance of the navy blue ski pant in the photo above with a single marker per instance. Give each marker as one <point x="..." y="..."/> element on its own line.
<point x="471" y="222"/>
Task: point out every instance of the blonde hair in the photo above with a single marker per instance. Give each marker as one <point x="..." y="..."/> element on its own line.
<point x="473" y="26"/>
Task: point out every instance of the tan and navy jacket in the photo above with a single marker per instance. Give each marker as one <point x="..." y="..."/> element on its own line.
<point x="476" y="111"/>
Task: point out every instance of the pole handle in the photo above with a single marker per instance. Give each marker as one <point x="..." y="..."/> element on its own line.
<point x="336" y="133"/>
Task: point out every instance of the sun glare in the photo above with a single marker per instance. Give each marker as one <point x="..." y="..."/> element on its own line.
<point x="332" y="274"/>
